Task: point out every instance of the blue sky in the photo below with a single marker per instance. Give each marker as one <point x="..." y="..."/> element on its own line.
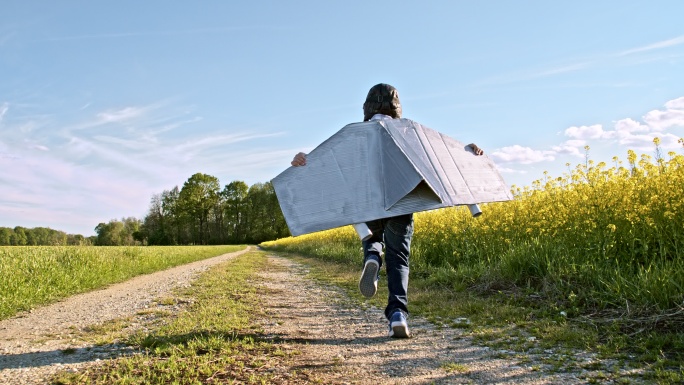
<point x="104" y="104"/>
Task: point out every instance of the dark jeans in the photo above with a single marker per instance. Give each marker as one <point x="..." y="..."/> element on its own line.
<point x="395" y="235"/>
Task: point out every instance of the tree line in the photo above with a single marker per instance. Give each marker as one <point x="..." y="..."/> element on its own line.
<point x="201" y="213"/>
<point x="198" y="213"/>
<point x="40" y="236"/>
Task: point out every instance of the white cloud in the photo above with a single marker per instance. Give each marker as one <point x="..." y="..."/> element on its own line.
<point x="575" y="142"/>
<point x="628" y="126"/>
<point x="644" y="142"/>
<point x="631" y="133"/>
<point x="676" y="104"/>
<point x="588" y="132"/>
<point x="573" y="147"/>
<point x="506" y="170"/>
<point x="672" y="116"/>
<point x="626" y="132"/>
<point x="522" y="155"/>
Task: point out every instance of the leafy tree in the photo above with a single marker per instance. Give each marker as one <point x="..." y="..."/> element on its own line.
<point x="199" y="195"/>
<point x="154" y="226"/>
<point x="118" y="233"/>
<point x="235" y="195"/>
<point x="45" y="236"/>
<point x="78" y="240"/>
<point x="18" y="237"/>
<point x="266" y="221"/>
<point x="109" y="234"/>
<point x="172" y="210"/>
<point x="5" y="236"/>
<point x="131" y="234"/>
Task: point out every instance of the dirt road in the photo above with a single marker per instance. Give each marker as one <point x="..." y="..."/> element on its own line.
<point x="348" y="344"/>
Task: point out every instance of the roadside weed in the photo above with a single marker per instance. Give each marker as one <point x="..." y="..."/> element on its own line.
<point x="454" y="367"/>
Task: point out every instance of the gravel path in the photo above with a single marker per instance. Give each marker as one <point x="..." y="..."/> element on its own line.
<point x="33" y="345"/>
<point x="340" y="343"/>
<point x="349" y="345"/>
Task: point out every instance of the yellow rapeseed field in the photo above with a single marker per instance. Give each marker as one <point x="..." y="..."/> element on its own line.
<point x="598" y="236"/>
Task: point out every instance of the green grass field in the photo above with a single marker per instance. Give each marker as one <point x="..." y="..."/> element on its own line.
<point x="37" y="275"/>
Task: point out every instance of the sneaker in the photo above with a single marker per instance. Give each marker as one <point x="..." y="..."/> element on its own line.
<point x="368" y="284"/>
<point x="398" y="327"/>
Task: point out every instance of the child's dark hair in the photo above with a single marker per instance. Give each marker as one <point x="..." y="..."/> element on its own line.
<point x="382" y="99"/>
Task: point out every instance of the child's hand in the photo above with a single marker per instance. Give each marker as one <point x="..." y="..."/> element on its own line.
<point x="477" y="150"/>
<point x="299" y="160"/>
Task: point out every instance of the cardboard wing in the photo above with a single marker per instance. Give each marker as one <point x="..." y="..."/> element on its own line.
<point x="380" y="169"/>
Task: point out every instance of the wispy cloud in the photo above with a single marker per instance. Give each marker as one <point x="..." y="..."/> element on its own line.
<point x="561" y="69"/>
<point x="220" y="140"/>
<point x="113" y="160"/>
<point x="121" y="115"/>
<point x="84" y="149"/>
<point x="39" y="147"/>
<point x="64" y="195"/>
<point x="253" y="160"/>
<point x="586" y="63"/>
<point x="654" y="46"/>
<point x="537" y="73"/>
<point x="4" y="107"/>
<point x="169" y="125"/>
<point x="114" y="116"/>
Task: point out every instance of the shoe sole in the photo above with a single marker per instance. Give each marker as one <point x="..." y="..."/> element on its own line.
<point x="368" y="282"/>
<point x="400" y="330"/>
